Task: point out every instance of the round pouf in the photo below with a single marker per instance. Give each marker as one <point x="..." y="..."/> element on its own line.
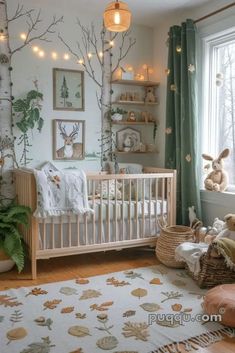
<point x="220" y="300"/>
<point x="170" y="237"/>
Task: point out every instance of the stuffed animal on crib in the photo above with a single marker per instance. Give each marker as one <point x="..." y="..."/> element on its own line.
<point x="150" y="96"/>
<point x="217" y="180"/>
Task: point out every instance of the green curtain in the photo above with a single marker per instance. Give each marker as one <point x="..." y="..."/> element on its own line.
<point x="182" y="118"/>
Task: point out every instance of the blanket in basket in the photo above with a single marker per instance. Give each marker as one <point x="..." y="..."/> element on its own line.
<point x="226" y="248"/>
<point x="60" y="193"/>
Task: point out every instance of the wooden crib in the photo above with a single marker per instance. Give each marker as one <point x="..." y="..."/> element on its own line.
<point x="122" y="222"/>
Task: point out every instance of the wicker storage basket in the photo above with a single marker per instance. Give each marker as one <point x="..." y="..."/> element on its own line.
<point x="214" y="271"/>
<point x="170" y="237"/>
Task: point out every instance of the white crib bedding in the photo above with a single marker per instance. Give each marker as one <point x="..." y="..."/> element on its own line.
<point x="120" y="229"/>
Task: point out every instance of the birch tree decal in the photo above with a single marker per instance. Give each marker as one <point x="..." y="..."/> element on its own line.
<point x="35" y="31"/>
<point x="64" y="91"/>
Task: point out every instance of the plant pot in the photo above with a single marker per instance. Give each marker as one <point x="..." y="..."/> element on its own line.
<point x="6" y="263"/>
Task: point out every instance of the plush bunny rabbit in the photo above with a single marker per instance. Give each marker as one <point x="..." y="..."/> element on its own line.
<point x="217" y="180"/>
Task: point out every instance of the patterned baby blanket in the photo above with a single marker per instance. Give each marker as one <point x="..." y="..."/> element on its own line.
<point x="61" y="193"/>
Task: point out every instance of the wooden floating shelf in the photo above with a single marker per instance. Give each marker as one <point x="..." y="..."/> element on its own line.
<point x="134" y="103"/>
<point x="131" y="152"/>
<point x="131" y="123"/>
<point x="136" y="83"/>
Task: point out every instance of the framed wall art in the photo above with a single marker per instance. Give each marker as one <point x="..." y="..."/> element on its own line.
<point x="68" y="139"/>
<point x="128" y="140"/>
<point x="68" y="90"/>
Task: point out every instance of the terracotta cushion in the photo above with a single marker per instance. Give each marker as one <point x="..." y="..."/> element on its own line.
<point x="221" y="300"/>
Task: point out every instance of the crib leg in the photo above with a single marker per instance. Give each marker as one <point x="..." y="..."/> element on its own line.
<point x="34" y="268"/>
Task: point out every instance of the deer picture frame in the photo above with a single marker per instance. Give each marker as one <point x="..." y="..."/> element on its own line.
<point x="68" y="90"/>
<point x="68" y="139"/>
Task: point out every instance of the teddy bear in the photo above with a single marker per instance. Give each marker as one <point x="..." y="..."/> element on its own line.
<point x="150" y="96"/>
<point x="229" y="229"/>
<point x="212" y="232"/>
<point x="217" y="180"/>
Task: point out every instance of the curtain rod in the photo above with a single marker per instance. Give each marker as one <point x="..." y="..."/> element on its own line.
<point x="215" y="12"/>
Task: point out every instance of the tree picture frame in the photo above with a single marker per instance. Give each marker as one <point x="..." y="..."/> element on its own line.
<point x="68" y="90"/>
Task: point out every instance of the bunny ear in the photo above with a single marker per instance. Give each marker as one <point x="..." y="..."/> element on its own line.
<point x="224" y="153"/>
<point x="207" y="157"/>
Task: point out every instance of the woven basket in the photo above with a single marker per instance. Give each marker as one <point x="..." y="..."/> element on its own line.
<point x="214" y="271"/>
<point x="170" y="237"/>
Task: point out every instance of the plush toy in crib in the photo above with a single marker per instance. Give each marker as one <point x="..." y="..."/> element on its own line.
<point x="229" y="229"/>
<point x="217" y="180"/>
<point x="212" y="232"/>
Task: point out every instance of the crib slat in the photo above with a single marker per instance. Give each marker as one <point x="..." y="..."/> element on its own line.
<point x="61" y="232"/>
<point x="156" y="205"/>
<point x="168" y="205"/>
<point x="53" y="232"/>
<point x="130" y="227"/>
<point x="94" y="209"/>
<point x="115" y="211"/>
<point x="70" y="233"/>
<point x="123" y="203"/>
<point x="150" y="204"/>
<point x="143" y="208"/>
<point x="162" y="197"/>
<point x="108" y="213"/>
<point x="101" y="213"/>
<point x="85" y="229"/>
<point x="78" y="230"/>
<point x="44" y="233"/>
<point x="136" y="208"/>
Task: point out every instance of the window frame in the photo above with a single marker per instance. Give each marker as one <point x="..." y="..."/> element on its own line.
<point x="210" y="44"/>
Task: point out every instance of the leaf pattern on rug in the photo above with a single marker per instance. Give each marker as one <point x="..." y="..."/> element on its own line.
<point x="1" y="318"/>
<point x="156" y="281"/>
<point x="37" y="291"/>
<point x="129" y="313"/>
<point x="150" y="307"/>
<point x="39" y="347"/>
<point x="80" y="316"/>
<point x="79" y="331"/>
<point x="103" y="319"/>
<point x="171" y="295"/>
<point x="68" y="291"/>
<point x="67" y="310"/>
<point x="101" y="307"/>
<point x="16" y="334"/>
<point x="51" y="304"/>
<point x="179" y="283"/>
<point x="42" y="321"/>
<point x="6" y="301"/>
<point x="176" y="307"/>
<point x="79" y="350"/>
<point x="162" y="270"/>
<point x="114" y="282"/>
<point x="139" y="292"/>
<point x="107" y="343"/>
<point x="172" y="323"/>
<point x="133" y="275"/>
<point x="16" y="317"/>
<point x="82" y="281"/>
<point x="90" y="293"/>
<point x="136" y="329"/>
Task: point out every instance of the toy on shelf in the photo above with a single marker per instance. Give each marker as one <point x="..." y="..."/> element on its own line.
<point x="131" y="117"/>
<point x="150" y="95"/>
<point x="217" y="180"/>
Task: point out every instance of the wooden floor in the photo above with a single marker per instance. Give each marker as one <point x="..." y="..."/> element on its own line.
<point x="66" y="268"/>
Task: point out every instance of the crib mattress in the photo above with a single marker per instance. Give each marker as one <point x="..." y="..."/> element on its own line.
<point x="124" y="210"/>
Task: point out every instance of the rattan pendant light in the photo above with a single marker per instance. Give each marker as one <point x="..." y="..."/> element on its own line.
<point x="117" y="17"/>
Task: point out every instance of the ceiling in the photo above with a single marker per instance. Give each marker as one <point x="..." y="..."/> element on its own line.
<point x="146" y="12"/>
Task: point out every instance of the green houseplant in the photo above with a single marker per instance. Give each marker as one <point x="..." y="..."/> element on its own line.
<point x="11" y="240"/>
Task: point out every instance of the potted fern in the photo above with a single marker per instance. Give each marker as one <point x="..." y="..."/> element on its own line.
<point x="11" y="241"/>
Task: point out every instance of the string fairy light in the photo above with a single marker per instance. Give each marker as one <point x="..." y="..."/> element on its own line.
<point x="66" y="56"/>
<point x="89" y="55"/>
<point x="23" y="36"/>
<point x="54" y="55"/>
<point x="101" y="54"/>
<point x="80" y="61"/>
<point x="35" y="49"/>
<point x="41" y="54"/>
<point x="111" y="43"/>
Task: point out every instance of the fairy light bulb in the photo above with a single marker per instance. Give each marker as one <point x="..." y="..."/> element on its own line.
<point x="111" y="43"/>
<point x="89" y="55"/>
<point x="2" y="37"/>
<point x="23" y="36"/>
<point x="81" y="62"/>
<point x="66" y="56"/>
<point x="117" y="18"/>
<point x="54" y="55"/>
<point x="41" y="54"/>
<point x="35" y="49"/>
<point x="101" y="54"/>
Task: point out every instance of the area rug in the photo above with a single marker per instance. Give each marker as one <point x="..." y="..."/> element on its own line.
<point x="143" y="310"/>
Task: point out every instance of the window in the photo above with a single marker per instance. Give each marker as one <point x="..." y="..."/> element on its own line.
<point x="219" y="98"/>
